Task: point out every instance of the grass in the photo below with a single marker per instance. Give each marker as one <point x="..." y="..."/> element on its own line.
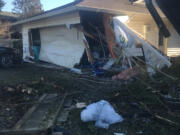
<point x="126" y="98"/>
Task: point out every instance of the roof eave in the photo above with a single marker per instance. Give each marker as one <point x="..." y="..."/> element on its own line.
<point x="110" y="11"/>
<point x="46" y="15"/>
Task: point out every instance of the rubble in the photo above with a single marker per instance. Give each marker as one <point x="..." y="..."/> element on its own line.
<point x="126" y="75"/>
<point x="81" y="105"/>
<point x="127" y="39"/>
<point x="126" y="50"/>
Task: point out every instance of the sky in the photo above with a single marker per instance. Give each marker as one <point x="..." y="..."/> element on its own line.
<point x="47" y="4"/>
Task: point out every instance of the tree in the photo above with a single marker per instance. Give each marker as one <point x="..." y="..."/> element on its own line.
<point x="2" y="3"/>
<point x="27" y="7"/>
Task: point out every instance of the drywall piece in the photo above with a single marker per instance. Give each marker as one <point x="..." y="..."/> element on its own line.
<point x="130" y="52"/>
<point x="81" y="105"/>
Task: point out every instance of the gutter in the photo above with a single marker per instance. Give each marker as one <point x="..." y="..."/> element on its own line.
<point x="46" y="15"/>
<point x="60" y="10"/>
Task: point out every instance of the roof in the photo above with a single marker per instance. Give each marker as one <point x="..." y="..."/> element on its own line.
<point x="112" y="6"/>
<point x="107" y="6"/>
<point x="8" y="16"/>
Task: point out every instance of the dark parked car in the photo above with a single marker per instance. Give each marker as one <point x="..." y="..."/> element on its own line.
<point x="9" y="57"/>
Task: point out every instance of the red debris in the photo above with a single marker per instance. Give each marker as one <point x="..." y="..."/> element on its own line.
<point x="126" y="75"/>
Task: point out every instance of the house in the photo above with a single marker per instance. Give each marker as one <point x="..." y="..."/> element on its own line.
<point x="6" y="18"/>
<point x="146" y="26"/>
<point x="65" y="35"/>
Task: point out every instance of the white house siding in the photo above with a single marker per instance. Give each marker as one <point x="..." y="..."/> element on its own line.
<point x="61" y="46"/>
<point x="145" y="26"/>
<point x="69" y="18"/>
<point x="173" y="42"/>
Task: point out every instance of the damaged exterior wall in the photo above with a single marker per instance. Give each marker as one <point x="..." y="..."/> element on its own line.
<point x="61" y="46"/>
<point x="48" y="29"/>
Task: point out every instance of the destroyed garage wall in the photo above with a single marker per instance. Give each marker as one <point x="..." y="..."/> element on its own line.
<point x="58" y="42"/>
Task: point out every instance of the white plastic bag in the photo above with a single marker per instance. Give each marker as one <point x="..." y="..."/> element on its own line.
<point x="102" y="113"/>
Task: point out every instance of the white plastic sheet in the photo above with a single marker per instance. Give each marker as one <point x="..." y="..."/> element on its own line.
<point x="123" y="39"/>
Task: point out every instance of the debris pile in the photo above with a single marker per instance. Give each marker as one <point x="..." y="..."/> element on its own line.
<point x="123" y="52"/>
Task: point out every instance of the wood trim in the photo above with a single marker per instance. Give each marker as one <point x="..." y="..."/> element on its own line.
<point x="30" y="43"/>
